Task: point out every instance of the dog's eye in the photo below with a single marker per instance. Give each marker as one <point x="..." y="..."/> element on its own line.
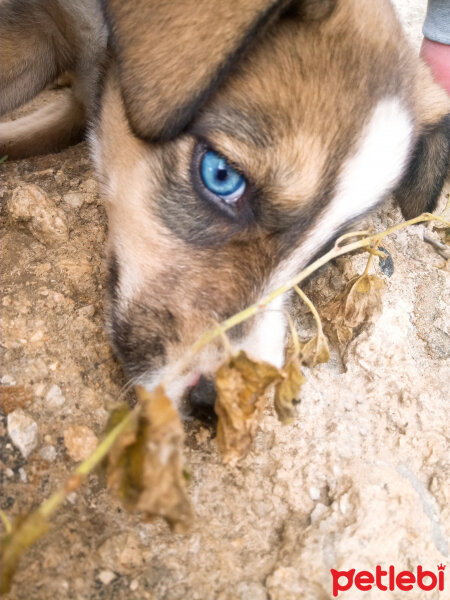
<point x="221" y="179"/>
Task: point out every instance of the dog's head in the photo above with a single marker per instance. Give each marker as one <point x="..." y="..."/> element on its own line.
<point x="235" y="140"/>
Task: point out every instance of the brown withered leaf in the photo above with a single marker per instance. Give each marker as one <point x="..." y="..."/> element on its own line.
<point x="287" y="390"/>
<point x="240" y="384"/>
<point x="359" y="302"/>
<point x="363" y="301"/>
<point x="315" y="350"/>
<point x="145" y="465"/>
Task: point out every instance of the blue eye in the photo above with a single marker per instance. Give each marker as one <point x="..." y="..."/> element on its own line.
<point x="221" y="179"/>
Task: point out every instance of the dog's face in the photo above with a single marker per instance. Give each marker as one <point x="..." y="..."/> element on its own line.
<point x="315" y="124"/>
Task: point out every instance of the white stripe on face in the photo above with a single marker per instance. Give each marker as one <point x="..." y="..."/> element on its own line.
<point x="365" y="179"/>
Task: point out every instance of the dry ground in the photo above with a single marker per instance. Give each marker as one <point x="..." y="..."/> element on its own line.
<point x="361" y="478"/>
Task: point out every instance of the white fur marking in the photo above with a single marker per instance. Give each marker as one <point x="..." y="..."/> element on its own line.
<point x="266" y="339"/>
<point x="365" y="179"/>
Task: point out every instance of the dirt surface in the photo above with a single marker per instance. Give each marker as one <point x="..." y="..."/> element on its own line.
<point x="361" y="478"/>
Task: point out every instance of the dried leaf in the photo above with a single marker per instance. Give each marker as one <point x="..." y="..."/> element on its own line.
<point x="359" y="302"/>
<point x="363" y="301"/>
<point x="287" y="390"/>
<point x="25" y="532"/>
<point x="315" y="351"/>
<point x="240" y="385"/>
<point x="145" y="465"/>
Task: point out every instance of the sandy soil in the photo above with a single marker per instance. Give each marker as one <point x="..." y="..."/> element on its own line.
<point x="361" y="478"/>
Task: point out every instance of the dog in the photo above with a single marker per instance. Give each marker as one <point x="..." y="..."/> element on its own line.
<point x="233" y="142"/>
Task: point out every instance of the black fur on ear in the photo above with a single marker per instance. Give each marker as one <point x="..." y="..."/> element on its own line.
<point x="311" y="10"/>
<point x="422" y="183"/>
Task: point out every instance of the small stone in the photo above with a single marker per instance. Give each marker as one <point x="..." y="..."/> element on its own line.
<point x="48" y="453"/>
<point x="23" y="432"/>
<point x="13" y="397"/>
<point x="87" y="311"/>
<point x="8" y="380"/>
<point x="74" y="199"/>
<point x="37" y="336"/>
<point x="55" y="397"/>
<point x="80" y="442"/>
<point x="314" y="493"/>
<point x="387" y="263"/>
<point x="134" y="585"/>
<point x="23" y="475"/>
<point x="106" y="577"/>
<point x="39" y="390"/>
<point x="90" y="186"/>
<point x="46" y="222"/>
<point x="60" y="178"/>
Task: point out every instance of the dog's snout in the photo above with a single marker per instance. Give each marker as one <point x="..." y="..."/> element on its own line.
<point x="201" y="399"/>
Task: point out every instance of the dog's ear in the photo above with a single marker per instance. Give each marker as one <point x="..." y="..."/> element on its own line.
<point x="171" y="54"/>
<point x="429" y="163"/>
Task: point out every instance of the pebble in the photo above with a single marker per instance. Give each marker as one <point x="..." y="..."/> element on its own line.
<point x="106" y="577"/>
<point x="14" y="397"/>
<point x="23" y="431"/>
<point x="55" y="397"/>
<point x="46" y="222"/>
<point x="48" y="453"/>
<point x="87" y="311"/>
<point x="90" y="186"/>
<point x="37" y="336"/>
<point x="80" y="442"/>
<point x="8" y="380"/>
<point x="77" y="199"/>
<point x="314" y="493"/>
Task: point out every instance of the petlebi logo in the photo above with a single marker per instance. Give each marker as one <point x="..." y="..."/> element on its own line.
<point x="388" y="580"/>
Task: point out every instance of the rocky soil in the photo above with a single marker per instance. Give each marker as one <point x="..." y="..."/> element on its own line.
<point x="361" y="478"/>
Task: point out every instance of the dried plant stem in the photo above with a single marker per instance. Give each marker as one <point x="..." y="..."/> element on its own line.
<point x="6" y="522"/>
<point x="311" y="307"/>
<point x="33" y="526"/>
<point x="50" y="505"/>
<point x="336" y="251"/>
<point x="369" y="262"/>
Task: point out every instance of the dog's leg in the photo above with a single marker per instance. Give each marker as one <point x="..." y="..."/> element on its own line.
<point x="56" y="125"/>
<point x="33" y="49"/>
<point x="40" y="40"/>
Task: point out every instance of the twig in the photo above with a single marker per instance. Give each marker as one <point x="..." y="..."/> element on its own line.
<point x="6" y="522"/>
<point x="311" y="307"/>
<point x="336" y="251"/>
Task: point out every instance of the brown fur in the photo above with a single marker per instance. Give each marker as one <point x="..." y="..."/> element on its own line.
<point x="54" y="126"/>
<point x="285" y="94"/>
<point x="39" y="41"/>
<point x="178" y="55"/>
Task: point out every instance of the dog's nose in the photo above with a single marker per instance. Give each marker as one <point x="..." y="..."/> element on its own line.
<point x="201" y="399"/>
